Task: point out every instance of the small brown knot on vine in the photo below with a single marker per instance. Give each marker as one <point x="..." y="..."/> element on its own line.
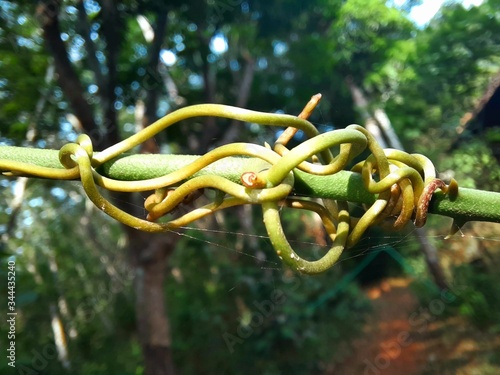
<point x="253" y="180"/>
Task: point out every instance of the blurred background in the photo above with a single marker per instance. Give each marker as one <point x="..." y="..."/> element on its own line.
<point x="94" y="297"/>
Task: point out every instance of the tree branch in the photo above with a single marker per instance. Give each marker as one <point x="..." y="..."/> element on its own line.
<point x="84" y="30"/>
<point x="153" y="90"/>
<point x="245" y="86"/>
<point x="111" y="25"/>
<point x="48" y="15"/>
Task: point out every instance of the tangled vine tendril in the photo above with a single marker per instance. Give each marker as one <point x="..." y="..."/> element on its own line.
<point x="403" y="183"/>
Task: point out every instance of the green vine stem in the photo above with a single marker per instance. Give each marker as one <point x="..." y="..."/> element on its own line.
<point x="469" y="205"/>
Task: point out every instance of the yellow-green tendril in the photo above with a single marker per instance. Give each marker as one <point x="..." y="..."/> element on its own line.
<point x="216" y="110"/>
<point x="272" y="221"/>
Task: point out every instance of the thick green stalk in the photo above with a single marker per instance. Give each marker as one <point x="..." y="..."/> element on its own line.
<point x="470" y="205"/>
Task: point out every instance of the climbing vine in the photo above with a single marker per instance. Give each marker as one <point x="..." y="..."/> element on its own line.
<point x="401" y="184"/>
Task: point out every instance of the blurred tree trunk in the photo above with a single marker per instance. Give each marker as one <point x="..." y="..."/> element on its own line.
<point x="431" y="258"/>
<point x="245" y="85"/>
<point x="149" y="257"/>
<point x="361" y="104"/>
<point x="379" y="125"/>
<point x="148" y="253"/>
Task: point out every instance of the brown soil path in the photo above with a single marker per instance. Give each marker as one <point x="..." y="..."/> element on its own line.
<point x="404" y="337"/>
<point x="392" y="342"/>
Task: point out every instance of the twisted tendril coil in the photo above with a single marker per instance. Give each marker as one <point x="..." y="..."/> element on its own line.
<point x="404" y="183"/>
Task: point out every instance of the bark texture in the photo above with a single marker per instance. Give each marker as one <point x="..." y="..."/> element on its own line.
<point x="149" y="256"/>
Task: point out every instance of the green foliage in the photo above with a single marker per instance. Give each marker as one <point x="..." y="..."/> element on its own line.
<point x="22" y="71"/>
<point x="474" y="295"/>
<point x="479" y="295"/>
<point x="474" y="166"/>
<point x="448" y="72"/>
<point x="365" y="35"/>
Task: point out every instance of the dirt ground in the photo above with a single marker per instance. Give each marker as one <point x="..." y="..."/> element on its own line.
<point x="403" y="337"/>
